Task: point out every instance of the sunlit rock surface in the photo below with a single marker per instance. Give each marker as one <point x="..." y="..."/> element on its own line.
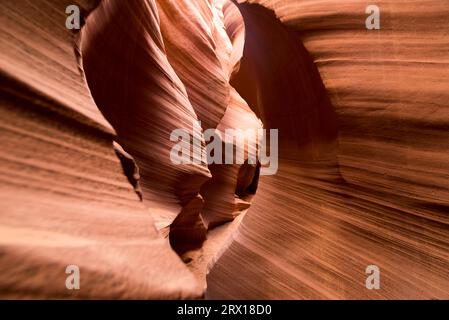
<point x="85" y="169"/>
<point x="382" y="197"/>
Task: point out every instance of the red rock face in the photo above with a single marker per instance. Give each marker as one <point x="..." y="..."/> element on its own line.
<point x="382" y="198"/>
<point x="85" y="165"/>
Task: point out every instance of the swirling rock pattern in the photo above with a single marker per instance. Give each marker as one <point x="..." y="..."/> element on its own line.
<point x="363" y="149"/>
<point x="383" y="198"/>
<point x="65" y="200"/>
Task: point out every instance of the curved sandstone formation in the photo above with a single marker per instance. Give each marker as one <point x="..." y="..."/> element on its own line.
<point x="65" y="200"/>
<point x="87" y="177"/>
<point x="141" y="79"/>
<point x="382" y="198"/>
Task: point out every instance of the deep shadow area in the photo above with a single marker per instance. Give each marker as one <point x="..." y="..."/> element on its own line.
<point x="280" y="82"/>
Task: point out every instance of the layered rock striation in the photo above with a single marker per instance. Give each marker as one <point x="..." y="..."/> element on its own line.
<point x="87" y="177"/>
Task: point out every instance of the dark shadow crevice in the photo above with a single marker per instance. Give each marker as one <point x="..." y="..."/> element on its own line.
<point x="247" y="181"/>
<point x="281" y="84"/>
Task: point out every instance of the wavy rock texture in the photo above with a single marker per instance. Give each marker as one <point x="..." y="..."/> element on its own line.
<point x="382" y="197"/>
<point x="141" y="79"/>
<point x="85" y="169"/>
<point x="195" y="49"/>
<point x="64" y="197"/>
<point x="144" y="100"/>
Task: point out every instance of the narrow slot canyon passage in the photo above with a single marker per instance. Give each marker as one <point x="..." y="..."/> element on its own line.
<point x="118" y="180"/>
<point x="309" y="234"/>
